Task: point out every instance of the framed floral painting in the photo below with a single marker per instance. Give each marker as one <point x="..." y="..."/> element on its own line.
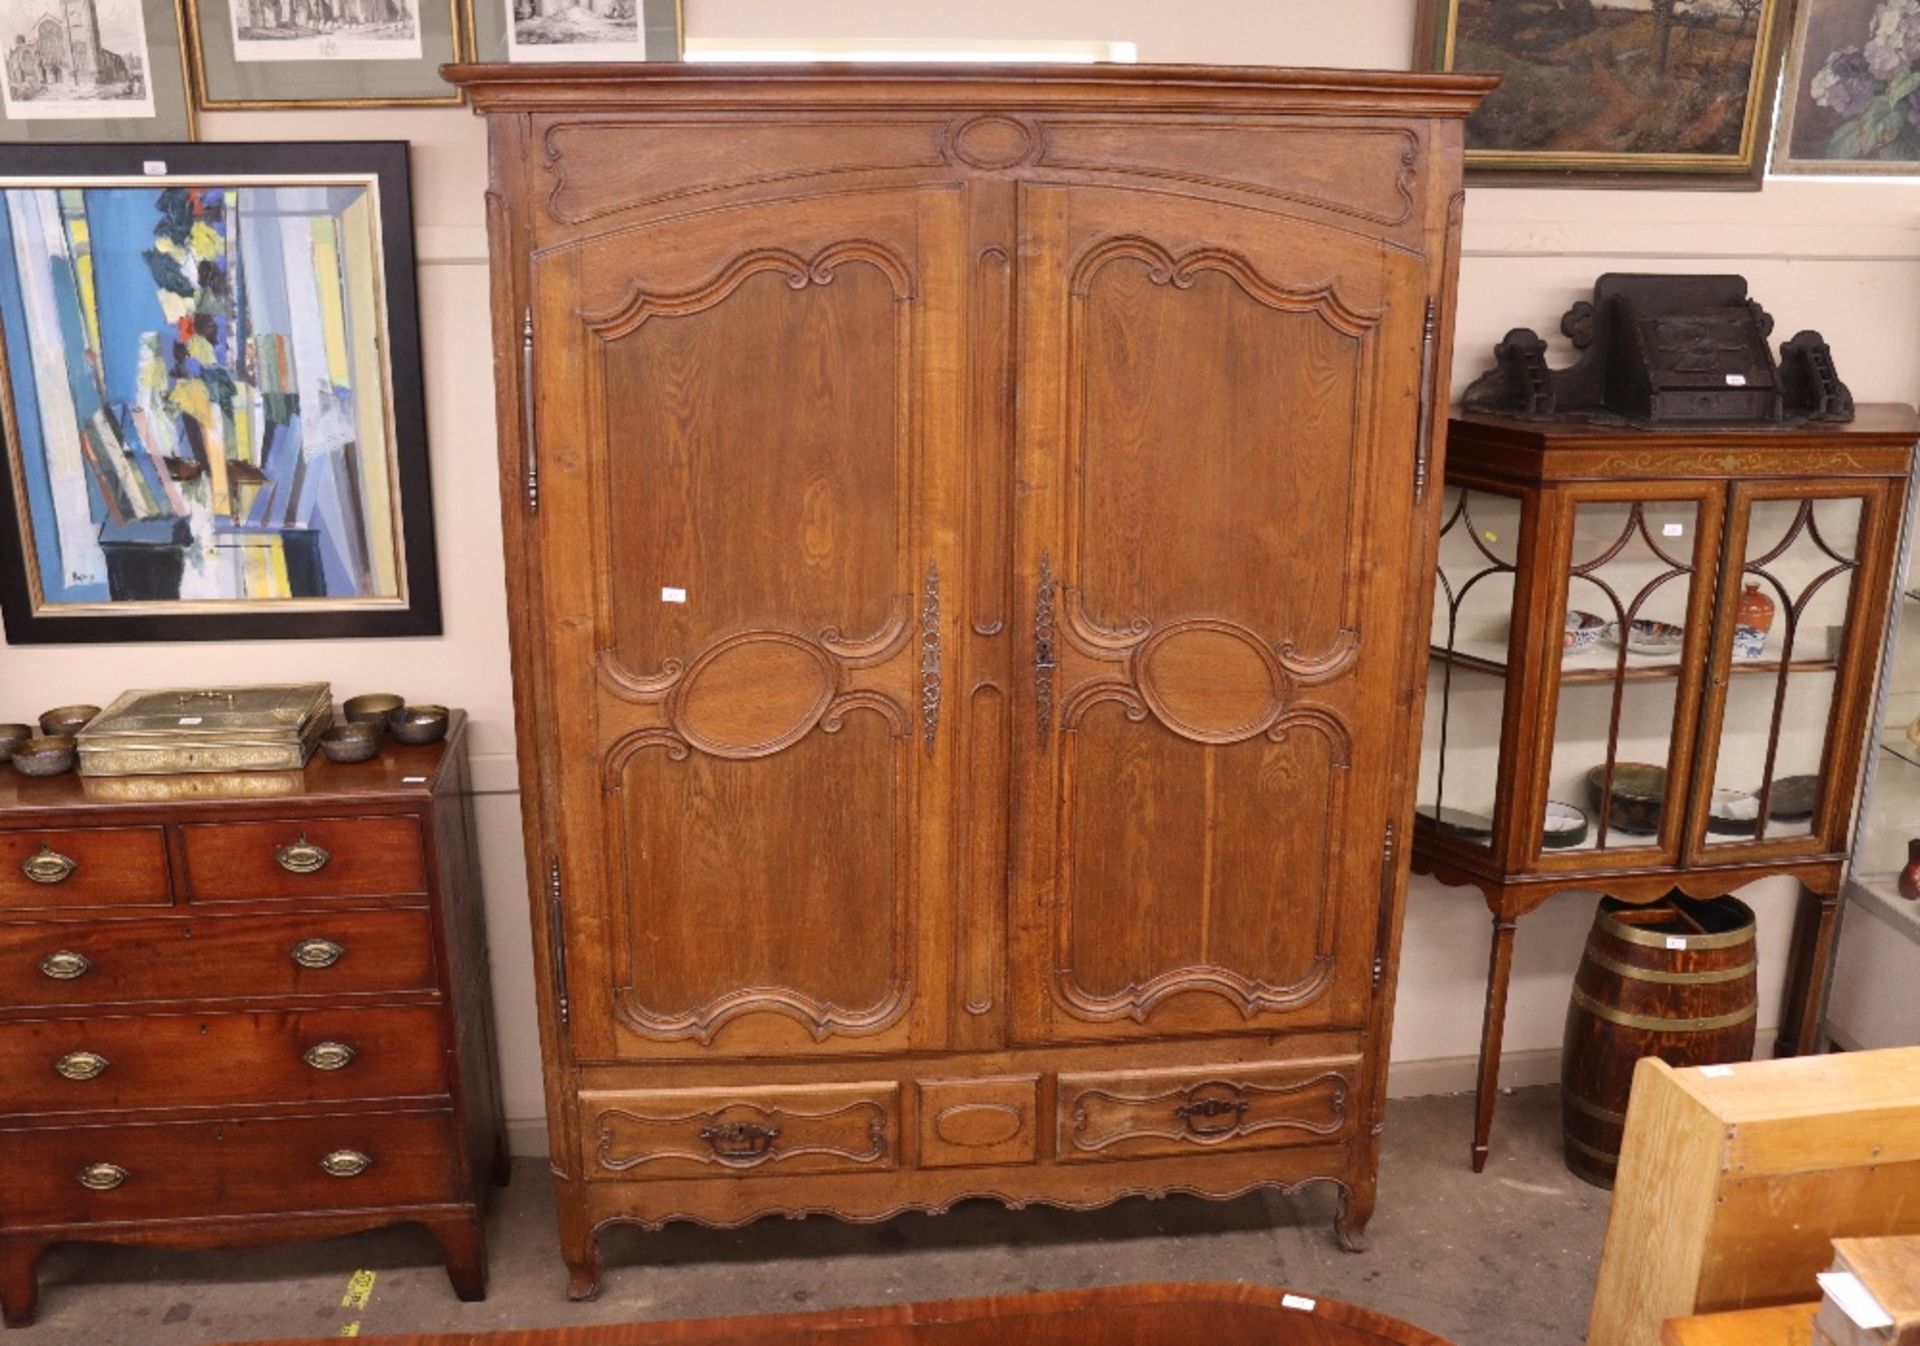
<point x="1851" y="102"/>
<point x="1614" y="92"/>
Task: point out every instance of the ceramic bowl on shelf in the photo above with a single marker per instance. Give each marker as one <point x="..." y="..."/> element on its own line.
<point x="351" y="742"/>
<point x="13" y="737"/>
<point x="1564" y="826"/>
<point x="1647" y="636"/>
<point x="66" y="721"/>
<point x="1450" y="822"/>
<point x="47" y="756"/>
<point x="1733" y="813"/>
<point x="1639" y="792"/>
<point x="374" y="708"/>
<point x="419" y="725"/>
<point x="1583" y="629"/>
<point x="1793" y="798"/>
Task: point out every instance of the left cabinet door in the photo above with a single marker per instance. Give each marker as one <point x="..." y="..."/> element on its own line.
<point x="747" y="422"/>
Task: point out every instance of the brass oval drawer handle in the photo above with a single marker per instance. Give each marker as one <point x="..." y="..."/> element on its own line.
<point x="346" y="1164"/>
<point x="302" y="857"/>
<point x="81" y="1065"/>
<point x="47" y="865"/>
<point x="740" y="1140"/>
<point x="329" y="1056"/>
<point x="317" y="953"/>
<point x="102" y="1177"/>
<point x="65" y="965"/>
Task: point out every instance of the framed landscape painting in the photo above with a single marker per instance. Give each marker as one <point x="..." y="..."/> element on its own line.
<point x="576" y="30"/>
<point x="324" y="53"/>
<point x="1851" y="101"/>
<point x="1615" y="92"/>
<point x="94" y="70"/>
<point x="214" y="426"/>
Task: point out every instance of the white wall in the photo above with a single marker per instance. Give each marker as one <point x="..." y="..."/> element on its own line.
<point x="1843" y="257"/>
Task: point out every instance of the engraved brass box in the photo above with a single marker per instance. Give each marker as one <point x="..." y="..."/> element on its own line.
<point x="145" y="733"/>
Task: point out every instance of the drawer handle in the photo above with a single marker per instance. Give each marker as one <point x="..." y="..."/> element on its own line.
<point x="329" y="1056"/>
<point x="81" y="1065"/>
<point x="303" y="857"/>
<point x="102" y="1177"/>
<point x="317" y="953"/>
<point x="1212" y="1116"/>
<point x="740" y="1140"/>
<point x="47" y="865"/>
<point x="346" y="1164"/>
<point x="65" y="965"/>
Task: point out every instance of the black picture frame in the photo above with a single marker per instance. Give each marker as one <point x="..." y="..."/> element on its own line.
<point x="415" y="608"/>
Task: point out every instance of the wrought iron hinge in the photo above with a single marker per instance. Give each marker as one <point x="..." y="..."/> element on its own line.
<point x="530" y="445"/>
<point x="557" y="940"/>
<point x="1424" y="427"/>
<point x="1386" y="907"/>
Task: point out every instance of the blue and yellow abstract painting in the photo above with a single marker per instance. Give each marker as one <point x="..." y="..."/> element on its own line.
<point x="199" y="412"/>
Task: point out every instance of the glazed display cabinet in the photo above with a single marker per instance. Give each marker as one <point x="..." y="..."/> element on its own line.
<point x="1651" y="667"/>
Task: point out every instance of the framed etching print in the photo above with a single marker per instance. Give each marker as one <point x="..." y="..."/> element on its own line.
<point x="1851" y="102"/>
<point x="213" y="414"/>
<point x="1614" y="92"/>
<point x="576" y="30"/>
<point x="324" y="53"/>
<point x="94" y="70"/>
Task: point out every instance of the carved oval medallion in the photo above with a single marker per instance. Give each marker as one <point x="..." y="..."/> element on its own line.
<point x="992" y="142"/>
<point x="1211" y="681"/>
<point x="978" y="1126"/>
<point x="753" y="695"/>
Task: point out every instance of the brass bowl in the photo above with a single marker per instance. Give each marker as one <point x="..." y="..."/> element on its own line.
<point x="351" y="742"/>
<point x="1639" y="796"/>
<point x="66" y="721"/>
<point x="419" y="725"/>
<point x="47" y="756"/>
<point x="375" y="708"/>
<point x="13" y="737"/>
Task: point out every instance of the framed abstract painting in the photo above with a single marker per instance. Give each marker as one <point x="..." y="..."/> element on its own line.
<point x="1851" y="101"/>
<point x="1630" y="93"/>
<point x="214" y="426"/>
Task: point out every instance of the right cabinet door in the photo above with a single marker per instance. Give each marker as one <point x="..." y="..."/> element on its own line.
<point x="1217" y="545"/>
<point x="1801" y="606"/>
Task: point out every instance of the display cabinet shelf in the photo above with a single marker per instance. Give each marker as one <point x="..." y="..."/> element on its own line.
<point x="1761" y="559"/>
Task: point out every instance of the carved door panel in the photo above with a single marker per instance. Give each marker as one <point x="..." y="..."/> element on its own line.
<point x="747" y="425"/>
<point x="1217" y="422"/>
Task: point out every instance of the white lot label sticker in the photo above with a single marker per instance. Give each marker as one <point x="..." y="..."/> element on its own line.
<point x="1676" y="941"/>
<point x="154" y="168"/>
<point x="1672" y="529"/>
<point x="191" y="719"/>
<point x="673" y="595"/>
<point x="1300" y="1302"/>
<point x="1736" y="380"/>
<point x="413" y="780"/>
<point x="1716" y="1072"/>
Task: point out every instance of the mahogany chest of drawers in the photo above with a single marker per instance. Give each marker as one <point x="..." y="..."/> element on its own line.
<point x="244" y="1008"/>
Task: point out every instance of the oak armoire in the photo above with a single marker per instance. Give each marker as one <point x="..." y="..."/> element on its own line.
<point x="970" y="538"/>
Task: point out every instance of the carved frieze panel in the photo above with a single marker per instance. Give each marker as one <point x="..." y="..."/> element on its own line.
<point x="670" y="1133"/>
<point x="1117" y="1116"/>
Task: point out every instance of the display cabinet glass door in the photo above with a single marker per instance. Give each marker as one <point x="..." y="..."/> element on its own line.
<point x="1786" y="656"/>
<point x="1461" y="785"/>
<point x="1637" y="565"/>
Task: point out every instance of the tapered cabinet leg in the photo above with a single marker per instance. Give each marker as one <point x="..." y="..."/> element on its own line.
<point x="1356" y="1209"/>
<point x="1808" y="963"/>
<point x="502" y="1161"/>
<point x="1499" y="972"/>
<point x="19" y="1282"/>
<point x="580" y="1246"/>
<point x="463" y="1243"/>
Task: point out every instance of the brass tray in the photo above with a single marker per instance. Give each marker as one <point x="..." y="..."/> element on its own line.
<point x="162" y="732"/>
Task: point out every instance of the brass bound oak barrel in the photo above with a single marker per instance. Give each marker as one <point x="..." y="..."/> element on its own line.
<point x="1673" y="979"/>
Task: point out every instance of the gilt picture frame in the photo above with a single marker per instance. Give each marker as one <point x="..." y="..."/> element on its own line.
<point x="214" y="420"/>
<point x="92" y="70"/>
<point x="1614" y="93"/>
<point x="1850" y="100"/>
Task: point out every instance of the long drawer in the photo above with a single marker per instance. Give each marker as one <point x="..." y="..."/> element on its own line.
<point x="177" y="1170"/>
<point x="83" y="867"/>
<point x="1132" y="1114"/>
<point x="691" y="1133"/>
<point x="103" y="1063"/>
<point x="215" y="957"/>
<point x="306" y="857"/>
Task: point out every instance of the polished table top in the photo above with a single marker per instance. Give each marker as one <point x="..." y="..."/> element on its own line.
<point x="1129" y="1315"/>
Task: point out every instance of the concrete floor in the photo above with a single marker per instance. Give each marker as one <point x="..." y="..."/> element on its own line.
<point x="1499" y="1259"/>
